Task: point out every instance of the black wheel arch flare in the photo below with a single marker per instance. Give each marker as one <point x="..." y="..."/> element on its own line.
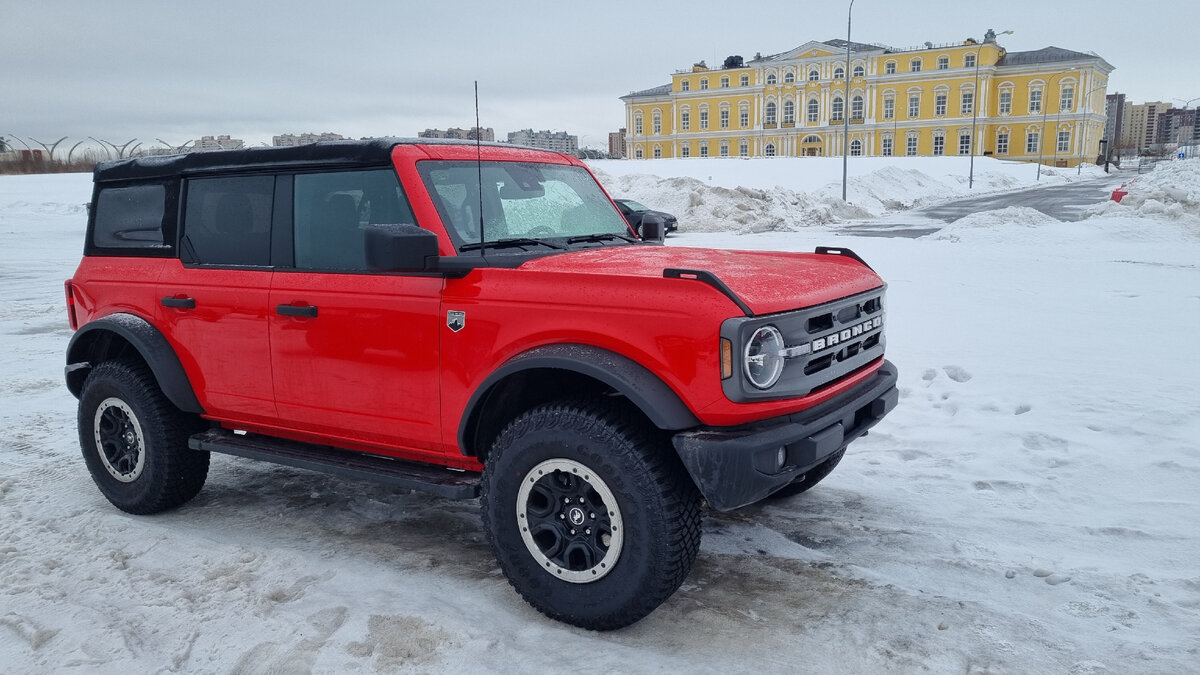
<point x="665" y="409"/>
<point x="106" y="336"/>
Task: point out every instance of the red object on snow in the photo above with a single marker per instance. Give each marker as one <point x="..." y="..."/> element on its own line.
<point x="1119" y="194"/>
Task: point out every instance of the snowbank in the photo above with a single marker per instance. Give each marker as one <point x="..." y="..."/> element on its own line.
<point x="1171" y="191"/>
<point x="792" y="193"/>
<point x="1008" y="224"/>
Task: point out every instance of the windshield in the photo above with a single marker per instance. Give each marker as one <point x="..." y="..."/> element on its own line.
<point x="519" y="200"/>
<point x="634" y="206"/>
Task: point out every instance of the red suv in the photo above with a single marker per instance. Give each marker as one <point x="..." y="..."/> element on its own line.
<point x="473" y="320"/>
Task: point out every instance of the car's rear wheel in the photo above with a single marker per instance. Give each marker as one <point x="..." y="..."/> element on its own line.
<point x="589" y="513"/>
<point x="134" y="441"/>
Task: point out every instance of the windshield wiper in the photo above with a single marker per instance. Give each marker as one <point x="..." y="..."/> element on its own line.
<point x="514" y="242"/>
<point x="598" y="237"/>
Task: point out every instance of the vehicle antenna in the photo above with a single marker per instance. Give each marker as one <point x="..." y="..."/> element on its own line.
<point x="479" y="166"/>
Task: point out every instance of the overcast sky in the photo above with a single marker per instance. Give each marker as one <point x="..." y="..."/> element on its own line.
<point x="178" y="70"/>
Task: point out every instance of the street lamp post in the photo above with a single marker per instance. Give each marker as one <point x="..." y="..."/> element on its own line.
<point x="975" y="113"/>
<point x="846" y="105"/>
<point x="1046" y="109"/>
<point x="1086" y="111"/>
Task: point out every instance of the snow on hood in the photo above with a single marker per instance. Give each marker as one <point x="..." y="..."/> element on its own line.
<point x="766" y="281"/>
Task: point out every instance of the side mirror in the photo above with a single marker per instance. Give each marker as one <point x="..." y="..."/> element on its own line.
<point x="401" y="248"/>
<point x="653" y="229"/>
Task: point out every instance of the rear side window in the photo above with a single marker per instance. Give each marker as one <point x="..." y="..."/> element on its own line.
<point x="227" y="221"/>
<point x="131" y="217"/>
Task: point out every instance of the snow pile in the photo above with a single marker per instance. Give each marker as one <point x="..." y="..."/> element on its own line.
<point x="1170" y="191"/>
<point x="1011" y="223"/>
<point x="792" y="193"/>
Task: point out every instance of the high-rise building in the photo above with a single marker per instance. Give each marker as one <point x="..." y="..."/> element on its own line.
<point x="291" y="140"/>
<point x="558" y="141"/>
<point x="1114" y="120"/>
<point x="616" y="143"/>
<point x="948" y="99"/>
<point x="217" y="143"/>
<point x="1141" y="125"/>
<point x="474" y="133"/>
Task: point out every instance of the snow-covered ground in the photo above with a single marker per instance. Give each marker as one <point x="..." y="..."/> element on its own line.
<point x="1032" y="506"/>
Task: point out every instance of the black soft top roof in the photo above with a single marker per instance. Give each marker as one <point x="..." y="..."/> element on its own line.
<point x="371" y="152"/>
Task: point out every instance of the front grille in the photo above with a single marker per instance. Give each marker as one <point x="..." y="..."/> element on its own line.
<point x="823" y="345"/>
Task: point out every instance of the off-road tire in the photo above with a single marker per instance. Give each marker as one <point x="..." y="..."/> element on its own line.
<point x="595" y="447"/>
<point x="810" y="479"/>
<point x="134" y="440"/>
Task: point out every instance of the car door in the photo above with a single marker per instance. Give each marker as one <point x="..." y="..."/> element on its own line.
<point x="354" y="352"/>
<point x="213" y="300"/>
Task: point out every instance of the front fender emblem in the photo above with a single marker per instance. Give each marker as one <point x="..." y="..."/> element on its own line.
<point x="456" y="320"/>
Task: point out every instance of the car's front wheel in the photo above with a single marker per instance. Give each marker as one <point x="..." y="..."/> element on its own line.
<point x="589" y="513"/>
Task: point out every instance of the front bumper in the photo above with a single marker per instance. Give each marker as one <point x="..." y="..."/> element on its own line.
<point x="736" y="466"/>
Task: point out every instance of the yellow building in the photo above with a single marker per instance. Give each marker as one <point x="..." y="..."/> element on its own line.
<point x="922" y="101"/>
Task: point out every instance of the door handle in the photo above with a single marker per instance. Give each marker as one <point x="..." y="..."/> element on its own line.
<point x="309" y="311"/>
<point x="179" y="303"/>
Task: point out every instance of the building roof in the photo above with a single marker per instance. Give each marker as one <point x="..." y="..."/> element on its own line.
<point x="661" y="90"/>
<point x="1044" y="55"/>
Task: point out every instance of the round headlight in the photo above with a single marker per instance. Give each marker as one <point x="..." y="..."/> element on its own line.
<point x="763" y="360"/>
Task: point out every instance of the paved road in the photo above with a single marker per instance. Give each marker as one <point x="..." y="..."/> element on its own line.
<point x="1062" y="202"/>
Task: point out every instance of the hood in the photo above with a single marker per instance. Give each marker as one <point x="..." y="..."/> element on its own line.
<point x="766" y="281"/>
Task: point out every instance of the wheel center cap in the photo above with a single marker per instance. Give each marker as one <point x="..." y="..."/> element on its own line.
<point x="130" y="438"/>
<point x="575" y="515"/>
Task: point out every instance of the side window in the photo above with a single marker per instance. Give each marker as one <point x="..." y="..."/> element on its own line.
<point x="132" y="217"/>
<point x="227" y="221"/>
<point x="331" y="211"/>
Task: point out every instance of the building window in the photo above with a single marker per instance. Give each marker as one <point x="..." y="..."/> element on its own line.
<point x="637" y="153"/>
<point x="839" y="73"/>
<point x="1031" y="142"/>
<point x="637" y="125"/>
<point x="889" y="68"/>
<point x="887" y="146"/>
<point x="770" y="118"/>
<point x="1035" y="101"/>
<point x="745" y="80"/>
<point x="859" y="71"/>
<point x="769" y="151"/>
<point x="856" y="148"/>
<point x="943" y="62"/>
<point x="788" y="78"/>
<point x="704" y="83"/>
<point x="771" y="78"/>
<point x="657" y="152"/>
<point x="914" y="65"/>
<point x="789" y="112"/>
<point x="703" y="119"/>
<point x="724" y="118"/>
<point x="1067" y="99"/>
<point x="814" y="110"/>
<point x="964" y="143"/>
<point x="939" y="105"/>
<point x="744" y="117"/>
<point x="856" y="108"/>
<point x="685" y="150"/>
<point x="743" y="149"/>
<point x="657" y="123"/>
<point x="1064" y="141"/>
<point x="724" y="81"/>
<point x="814" y="75"/>
<point x="1002" y="143"/>
<point x="969" y="61"/>
<point x="724" y="148"/>
<point x="968" y="102"/>
<point x="939" y="145"/>
<point x="910" y="146"/>
<point x="914" y="105"/>
<point x="704" y="149"/>
<point x="685" y="85"/>
<point x="889" y="107"/>
<point x="1005" y="102"/>
<point x="685" y="120"/>
<point x="838" y="105"/>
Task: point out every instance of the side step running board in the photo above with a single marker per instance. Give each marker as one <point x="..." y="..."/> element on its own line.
<point x="436" y="480"/>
